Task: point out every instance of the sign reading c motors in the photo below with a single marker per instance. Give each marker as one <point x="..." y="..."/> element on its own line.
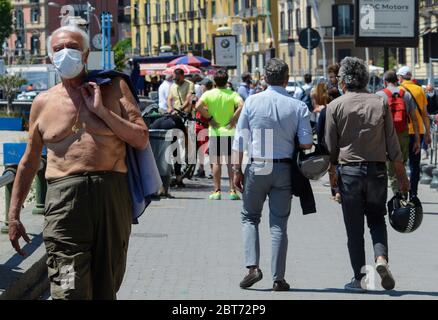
<point x="386" y="23"/>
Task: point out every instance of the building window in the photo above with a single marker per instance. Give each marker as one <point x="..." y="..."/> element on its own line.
<point x="282" y="27"/>
<point x="342" y="16"/>
<point x="290" y="17"/>
<point x="176" y="6"/>
<point x="167" y="37"/>
<point x="19" y="22"/>
<point x="255" y="31"/>
<point x="35" y="45"/>
<point x="167" y="8"/>
<point x="248" y="33"/>
<point x="147" y="10"/>
<point x="199" y="35"/>
<point x="136" y="14"/>
<point x="236" y="7"/>
<point x="401" y="55"/>
<point x="213" y="8"/>
<point x="149" y="40"/>
<point x="158" y="11"/>
<point x="191" y="6"/>
<point x="191" y="36"/>
<point x="342" y="53"/>
<point x="298" y="21"/>
<point x="35" y="15"/>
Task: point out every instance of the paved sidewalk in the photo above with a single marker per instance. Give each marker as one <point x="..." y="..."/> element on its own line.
<point x="191" y="248"/>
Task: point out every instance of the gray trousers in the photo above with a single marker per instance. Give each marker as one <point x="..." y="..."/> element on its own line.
<point x="258" y="184"/>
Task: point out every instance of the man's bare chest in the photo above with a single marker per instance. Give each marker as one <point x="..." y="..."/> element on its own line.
<point x="64" y="117"/>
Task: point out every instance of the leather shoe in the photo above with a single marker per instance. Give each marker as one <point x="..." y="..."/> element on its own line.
<point x="251" y="278"/>
<point x="281" y="285"/>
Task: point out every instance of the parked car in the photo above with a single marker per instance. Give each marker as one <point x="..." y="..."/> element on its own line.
<point x="292" y="86"/>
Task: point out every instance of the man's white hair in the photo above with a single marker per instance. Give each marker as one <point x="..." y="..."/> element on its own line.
<point x="72" y="29"/>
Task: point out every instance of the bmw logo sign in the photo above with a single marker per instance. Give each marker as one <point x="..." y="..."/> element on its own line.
<point x="225" y="43"/>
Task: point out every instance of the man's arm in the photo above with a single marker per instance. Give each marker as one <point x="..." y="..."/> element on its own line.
<point x="304" y="132"/>
<point x="412" y="106"/>
<point x="130" y="126"/>
<point x="170" y="100"/>
<point x="187" y="106"/>
<point x="236" y="115"/>
<point x="26" y="171"/>
<point x="240" y="143"/>
<point x="331" y="135"/>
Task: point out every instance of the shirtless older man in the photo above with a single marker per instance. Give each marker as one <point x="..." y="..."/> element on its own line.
<point x="88" y="206"/>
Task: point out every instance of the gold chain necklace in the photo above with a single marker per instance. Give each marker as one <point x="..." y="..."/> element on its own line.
<point x="76" y="127"/>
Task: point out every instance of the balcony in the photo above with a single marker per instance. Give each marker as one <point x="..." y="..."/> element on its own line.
<point x="183" y="16"/>
<point x="157" y="19"/>
<point x="175" y="17"/>
<point x="166" y="18"/>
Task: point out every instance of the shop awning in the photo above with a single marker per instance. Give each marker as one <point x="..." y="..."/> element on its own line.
<point x="152" y="68"/>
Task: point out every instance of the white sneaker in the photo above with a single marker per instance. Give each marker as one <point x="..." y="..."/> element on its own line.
<point x="388" y="282"/>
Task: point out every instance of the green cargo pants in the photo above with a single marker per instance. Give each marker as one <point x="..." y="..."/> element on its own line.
<point x="86" y="233"/>
<point x="403" y="139"/>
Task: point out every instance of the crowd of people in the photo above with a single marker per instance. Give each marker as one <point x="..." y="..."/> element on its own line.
<point x="89" y="200"/>
<point x="370" y="138"/>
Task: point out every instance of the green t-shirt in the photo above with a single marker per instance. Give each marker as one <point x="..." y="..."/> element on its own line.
<point x="221" y="104"/>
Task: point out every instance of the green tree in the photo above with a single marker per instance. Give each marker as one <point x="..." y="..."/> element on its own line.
<point x="10" y="84"/>
<point x="5" y="20"/>
<point x="120" y="50"/>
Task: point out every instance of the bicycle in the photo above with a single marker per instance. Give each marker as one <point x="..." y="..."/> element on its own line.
<point x="188" y="169"/>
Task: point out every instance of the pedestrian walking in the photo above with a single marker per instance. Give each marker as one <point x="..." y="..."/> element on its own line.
<point x="88" y="205"/>
<point x="402" y="108"/>
<point x="245" y="88"/>
<point x="222" y="107"/>
<point x="405" y="79"/>
<point x="202" y="131"/>
<point x="163" y="92"/>
<point x="359" y="136"/>
<point x="272" y="113"/>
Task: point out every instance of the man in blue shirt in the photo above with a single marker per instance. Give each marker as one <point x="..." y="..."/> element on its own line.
<point x="245" y="89"/>
<point x="272" y="113"/>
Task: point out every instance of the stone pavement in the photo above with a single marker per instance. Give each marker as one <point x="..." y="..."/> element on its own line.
<point x="191" y="248"/>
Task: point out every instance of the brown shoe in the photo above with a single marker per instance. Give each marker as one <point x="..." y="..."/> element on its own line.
<point x="281" y="285"/>
<point x="251" y="278"/>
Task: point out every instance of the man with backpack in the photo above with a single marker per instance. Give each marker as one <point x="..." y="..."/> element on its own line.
<point x="406" y="83"/>
<point x="402" y="107"/>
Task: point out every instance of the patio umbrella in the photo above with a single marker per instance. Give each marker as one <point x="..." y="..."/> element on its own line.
<point x="193" y="61"/>
<point x="187" y="69"/>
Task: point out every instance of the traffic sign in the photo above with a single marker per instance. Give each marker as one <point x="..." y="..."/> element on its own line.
<point x="315" y="38"/>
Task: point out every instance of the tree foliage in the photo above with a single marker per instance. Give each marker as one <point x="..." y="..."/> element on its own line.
<point x="5" y="20"/>
<point x="10" y="84"/>
<point x="120" y="50"/>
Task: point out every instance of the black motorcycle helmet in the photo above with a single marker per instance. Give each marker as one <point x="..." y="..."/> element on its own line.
<point x="405" y="216"/>
<point x="313" y="165"/>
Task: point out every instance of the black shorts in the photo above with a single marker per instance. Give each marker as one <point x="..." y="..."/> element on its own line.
<point x="220" y="146"/>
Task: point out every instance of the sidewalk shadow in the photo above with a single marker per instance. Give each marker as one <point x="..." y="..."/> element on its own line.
<point x="10" y="269"/>
<point x="391" y="293"/>
<point x="431" y="213"/>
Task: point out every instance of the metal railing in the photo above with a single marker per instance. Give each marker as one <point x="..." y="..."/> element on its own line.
<point x="7" y="180"/>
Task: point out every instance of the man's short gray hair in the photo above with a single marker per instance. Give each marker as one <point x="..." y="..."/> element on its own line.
<point x="354" y="73"/>
<point x="276" y="72"/>
<point x="72" y="29"/>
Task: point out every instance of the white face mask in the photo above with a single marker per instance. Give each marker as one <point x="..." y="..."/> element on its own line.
<point x="68" y="62"/>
